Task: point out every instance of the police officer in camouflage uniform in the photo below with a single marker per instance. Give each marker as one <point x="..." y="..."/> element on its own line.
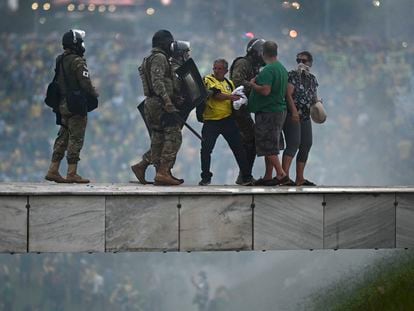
<point x="180" y="52"/>
<point x="160" y="112"/>
<point x="242" y="70"/>
<point x="72" y="131"/>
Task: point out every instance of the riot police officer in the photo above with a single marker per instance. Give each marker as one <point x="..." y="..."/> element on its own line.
<point x="180" y="51"/>
<point x="242" y="70"/>
<point x="157" y="79"/>
<point x="72" y="72"/>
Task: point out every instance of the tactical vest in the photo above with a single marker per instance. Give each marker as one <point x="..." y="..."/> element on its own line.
<point x="71" y="77"/>
<point x="233" y="64"/>
<point x="254" y="70"/>
<point x="145" y="74"/>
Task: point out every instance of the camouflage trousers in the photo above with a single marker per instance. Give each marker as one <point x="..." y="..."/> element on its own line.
<point x="245" y="124"/>
<point x="70" y="136"/>
<point x="165" y="135"/>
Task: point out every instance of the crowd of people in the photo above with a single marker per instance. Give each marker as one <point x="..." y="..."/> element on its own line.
<point x="100" y="282"/>
<point x="366" y="86"/>
<point x="66" y="282"/>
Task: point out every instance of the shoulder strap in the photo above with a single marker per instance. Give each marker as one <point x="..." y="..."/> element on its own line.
<point x="229" y="83"/>
<point x="64" y="75"/>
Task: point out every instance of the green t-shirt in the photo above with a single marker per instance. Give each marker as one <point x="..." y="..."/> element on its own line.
<point x="275" y="75"/>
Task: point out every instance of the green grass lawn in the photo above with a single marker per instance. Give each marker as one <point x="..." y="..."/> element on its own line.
<point x="388" y="284"/>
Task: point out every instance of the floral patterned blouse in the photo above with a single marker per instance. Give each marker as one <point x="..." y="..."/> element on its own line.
<point x="304" y="94"/>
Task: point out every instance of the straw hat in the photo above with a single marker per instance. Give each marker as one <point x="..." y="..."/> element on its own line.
<point x="318" y="113"/>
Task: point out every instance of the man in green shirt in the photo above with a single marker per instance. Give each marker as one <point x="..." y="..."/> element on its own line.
<point x="268" y="101"/>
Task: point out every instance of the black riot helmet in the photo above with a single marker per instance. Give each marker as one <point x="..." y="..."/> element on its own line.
<point x="180" y="50"/>
<point x="255" y="49"/>
<point x="73" y="40"/>
<point x="162" y="39"/>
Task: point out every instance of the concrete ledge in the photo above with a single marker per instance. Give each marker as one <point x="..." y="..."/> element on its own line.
<point x="130" y="218"/>
<point x="47" y="188"/>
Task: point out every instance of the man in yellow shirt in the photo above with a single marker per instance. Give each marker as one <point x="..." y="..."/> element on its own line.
<point x="218" y="120"/>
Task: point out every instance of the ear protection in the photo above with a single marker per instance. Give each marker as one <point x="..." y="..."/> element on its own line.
<point x="77" y="31"/>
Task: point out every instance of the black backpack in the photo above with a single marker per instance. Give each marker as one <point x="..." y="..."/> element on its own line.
<point x="53" y="95"/>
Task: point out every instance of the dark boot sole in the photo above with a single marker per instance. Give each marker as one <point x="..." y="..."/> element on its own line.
<point x="164" y="183"/>
<point x="77" y="182"/>
<point x="59" y="181"/>
<point x="140" y="178"/>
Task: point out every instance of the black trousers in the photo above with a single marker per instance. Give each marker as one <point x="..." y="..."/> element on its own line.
<point x="227" y="127"/>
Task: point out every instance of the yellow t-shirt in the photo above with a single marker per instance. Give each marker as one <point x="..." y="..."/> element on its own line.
<point x="217" y="109"/>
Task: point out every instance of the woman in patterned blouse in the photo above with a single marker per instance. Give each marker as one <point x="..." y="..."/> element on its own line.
<point x="302" y="87"/>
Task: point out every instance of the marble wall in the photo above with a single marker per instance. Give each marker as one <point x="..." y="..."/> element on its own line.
<point x="141" y="223"/>
<point x="205" y="222"/>
<point x="359" y="221"/>
<point x="67" y="224"/>
<point x="405" y="220"/>
<point x="288" y="222"/>
<point x="212" y="223"/>
<point x="13" y="224"/>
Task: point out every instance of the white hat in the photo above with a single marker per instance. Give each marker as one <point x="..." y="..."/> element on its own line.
<point x="318" y="113"/>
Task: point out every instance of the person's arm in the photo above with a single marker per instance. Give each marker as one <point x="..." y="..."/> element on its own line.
<point x="216" y="93"/>
<point x="316" y="99"/>
<point x="315" y="96"/>
<point x="194" y="282"/>
<point x="291" y="104"/>
<point x="158" y="66"/>
<point x="240" y="75"/>
<point x="221" y="96"/>
<point x="82" y="75"/>
<point x="261" y="89"/>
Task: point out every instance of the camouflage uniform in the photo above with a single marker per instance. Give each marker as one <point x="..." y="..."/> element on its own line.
<point x="166" y="132"/>
<point x="177" y="98"/>
<point x="72" y="132"/>
<point x="241" y="72"/>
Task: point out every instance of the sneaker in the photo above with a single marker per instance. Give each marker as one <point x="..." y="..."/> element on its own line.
<point x="204" y="182"/>
<point x="247" y="182"/>
<point x="239" y="180"/>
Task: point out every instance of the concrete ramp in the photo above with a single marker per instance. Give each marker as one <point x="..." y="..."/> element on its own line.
<point x="47" y="217"/>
